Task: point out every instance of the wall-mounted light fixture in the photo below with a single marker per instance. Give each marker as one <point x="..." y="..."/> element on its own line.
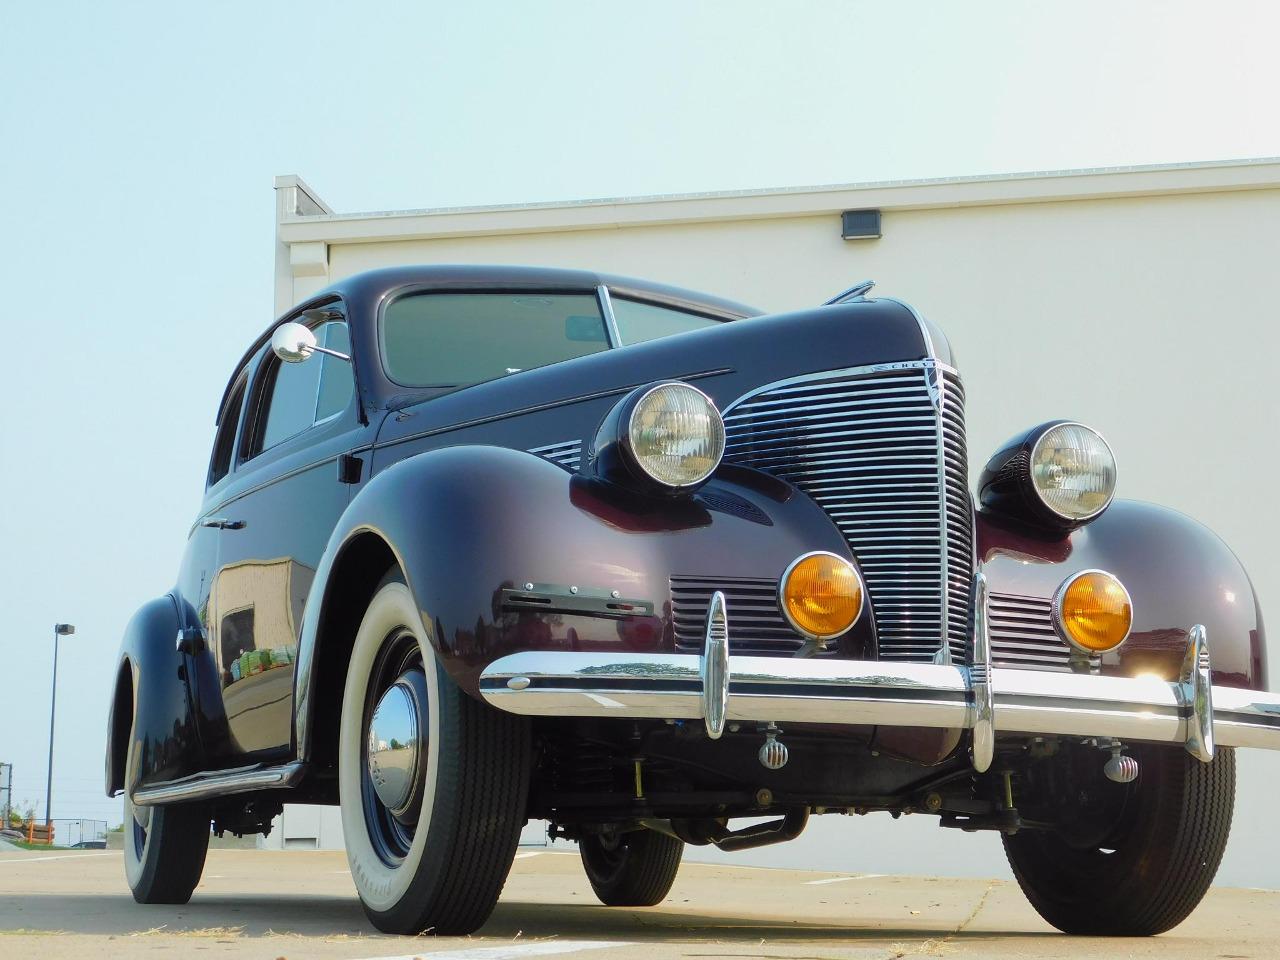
<point x="860" y="224"/>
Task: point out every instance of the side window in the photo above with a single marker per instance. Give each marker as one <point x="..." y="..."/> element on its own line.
<point x="336" y="383"/>
<point x="638" y="322"/>
<point x="224" y="441"/>
<point x="300" y="394"/>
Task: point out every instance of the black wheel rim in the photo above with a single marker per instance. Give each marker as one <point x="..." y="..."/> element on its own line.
<point x="605" y="852"/>
<point x="1101" y="826"/>
<point x="399" y="661"/>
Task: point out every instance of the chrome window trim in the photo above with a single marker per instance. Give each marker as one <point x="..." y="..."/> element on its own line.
<point x="610" y="321"/>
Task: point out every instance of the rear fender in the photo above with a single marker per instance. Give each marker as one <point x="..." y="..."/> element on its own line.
<point x="152" y="731"/>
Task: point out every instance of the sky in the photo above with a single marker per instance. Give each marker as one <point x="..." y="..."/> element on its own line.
<point x="138" y="143"/>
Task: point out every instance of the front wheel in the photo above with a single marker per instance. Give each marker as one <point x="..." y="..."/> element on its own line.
<point x="1132" y="859"/>
<point x="164" y="850"/>
<point x="634" y="869"/>
<point x="433" y="784"/>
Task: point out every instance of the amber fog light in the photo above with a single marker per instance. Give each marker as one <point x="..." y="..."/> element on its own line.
<point x="1092" y="611"/>
<point x="821" y="595"/>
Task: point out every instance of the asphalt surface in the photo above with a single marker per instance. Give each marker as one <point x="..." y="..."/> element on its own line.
<point x="293" y="905"/>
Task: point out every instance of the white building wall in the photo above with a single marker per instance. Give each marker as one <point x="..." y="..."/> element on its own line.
<point x="1151" y="317"/>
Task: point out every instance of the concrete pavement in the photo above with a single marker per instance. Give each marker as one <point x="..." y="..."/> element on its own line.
<point x="264" y="904"/>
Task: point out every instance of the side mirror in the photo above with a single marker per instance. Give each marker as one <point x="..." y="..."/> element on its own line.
<point x="292" y="342"/>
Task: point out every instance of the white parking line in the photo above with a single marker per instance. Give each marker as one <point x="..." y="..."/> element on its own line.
<point x="63" y="856"/>
<point x="861" y="876"/>
<point x="514" y="951"/>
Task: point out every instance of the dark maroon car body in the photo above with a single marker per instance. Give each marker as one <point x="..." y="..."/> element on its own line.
<point x="475" y="493"/>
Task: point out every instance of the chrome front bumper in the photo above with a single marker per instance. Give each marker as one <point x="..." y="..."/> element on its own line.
<point x="718" y="688"/>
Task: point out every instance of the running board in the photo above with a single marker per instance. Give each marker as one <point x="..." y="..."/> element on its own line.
<point x="221" y="783"/>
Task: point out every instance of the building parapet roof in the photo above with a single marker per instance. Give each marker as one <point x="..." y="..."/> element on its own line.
<point x="307" y="218"/>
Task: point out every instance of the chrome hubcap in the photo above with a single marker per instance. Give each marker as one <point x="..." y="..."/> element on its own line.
<point x="395" y="748"/>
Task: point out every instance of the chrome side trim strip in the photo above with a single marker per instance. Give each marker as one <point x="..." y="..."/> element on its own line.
<point x="983" y="747"/>
<point x="715" y="667"/>
<point x="840" y="374"/>
<point x="784" y="689"/>
<point x="1197" y="692"/>
<point x="221" y="783"/>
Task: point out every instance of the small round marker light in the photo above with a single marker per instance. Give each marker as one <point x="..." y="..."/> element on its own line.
<point x="821" y="595"/>
<point x="1092" y="611"/>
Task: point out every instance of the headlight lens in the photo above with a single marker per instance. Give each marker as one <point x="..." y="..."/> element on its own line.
<point x="1092" y="611"/>
<point x="1073" y="471"/>
<point x="821" y="595"/>
<point x="676" y="435"/>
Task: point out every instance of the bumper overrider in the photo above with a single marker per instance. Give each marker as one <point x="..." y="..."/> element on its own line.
<point x="718" y="688"/>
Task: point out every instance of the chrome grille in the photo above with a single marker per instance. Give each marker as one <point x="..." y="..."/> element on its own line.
<point x="1022" y="634"/>
<point x="957" y="512"/>
<point x="756" y="625"/>
<point x="566" y="453"/>
<point x="881" y="449"/>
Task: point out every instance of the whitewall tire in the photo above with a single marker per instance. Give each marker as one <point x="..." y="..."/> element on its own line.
<point x="433" y="784"/>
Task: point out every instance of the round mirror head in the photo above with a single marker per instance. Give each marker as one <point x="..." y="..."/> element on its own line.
<point x="292" y="342"/>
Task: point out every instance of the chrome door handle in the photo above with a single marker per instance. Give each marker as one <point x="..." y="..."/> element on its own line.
<point x="222" y="523"/>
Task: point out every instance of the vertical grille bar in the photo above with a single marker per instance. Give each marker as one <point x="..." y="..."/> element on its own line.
<point x="881" y="449"/>
<point x="957" y="511"/>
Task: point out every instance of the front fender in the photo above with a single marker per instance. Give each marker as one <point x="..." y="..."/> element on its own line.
<point x="1178" y="573"/>
<point x="467" y="525"/>
<point x="159" y="740"/>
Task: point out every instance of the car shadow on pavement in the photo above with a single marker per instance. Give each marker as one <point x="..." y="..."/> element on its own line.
<point x="336" y="917"/>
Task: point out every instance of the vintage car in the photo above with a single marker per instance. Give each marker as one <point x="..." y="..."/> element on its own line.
<point x="481" y="545"/>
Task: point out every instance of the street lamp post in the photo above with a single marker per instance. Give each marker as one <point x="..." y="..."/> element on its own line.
<point x="59" y="630"/>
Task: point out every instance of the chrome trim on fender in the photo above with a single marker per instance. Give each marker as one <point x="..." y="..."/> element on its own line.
<point x="610" y="321"/>
<point x="221" y="783"/>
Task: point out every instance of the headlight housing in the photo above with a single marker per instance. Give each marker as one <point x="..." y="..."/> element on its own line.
<point x="1061" y="474"/>
<point x="667" y="437"/>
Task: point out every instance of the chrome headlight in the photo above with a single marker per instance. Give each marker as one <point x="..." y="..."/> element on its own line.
<point x="668" y="436"/>
<point x="1062" y="473"/>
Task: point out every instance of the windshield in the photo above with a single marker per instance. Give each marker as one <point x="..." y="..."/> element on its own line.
<point x="455" y="339"/>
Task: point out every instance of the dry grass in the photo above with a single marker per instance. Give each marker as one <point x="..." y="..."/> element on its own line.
<point x="929" y="948"/>
<point x="211" y="933"/>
